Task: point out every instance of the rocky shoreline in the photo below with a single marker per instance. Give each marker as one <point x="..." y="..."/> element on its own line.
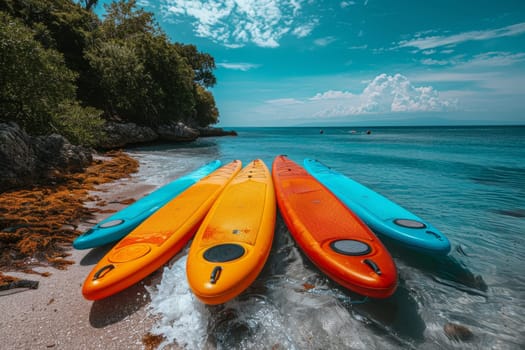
<point x="28" y="160"/>
<point x="124" y="134"/>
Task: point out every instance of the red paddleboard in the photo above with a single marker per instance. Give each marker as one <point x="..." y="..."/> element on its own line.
<point x="331" y="235"/>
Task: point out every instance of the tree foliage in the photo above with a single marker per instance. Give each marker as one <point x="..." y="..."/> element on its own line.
<point x="60" y="66"/>
<point x="36" y="87"/>
<point x="88" y="4"/>
<point x="33" y="79"/>
<point x="206" y="111"/>
<point x="144" y="76"/>
<point x="120" y="76"/>
<point x="61" y="25"/>
<point x="203" y="64"/>
<point x="80" y="125"/>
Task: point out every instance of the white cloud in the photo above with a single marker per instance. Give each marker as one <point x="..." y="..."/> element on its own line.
<point x="490" y="74"/>
<point x="389" y="94"/>
<point x="144" y="3"/>
<point x="434" y="62"/>
<point x="430" y="42"/>
<point x="385" y="94"/>
<point x="324" y="41"/>
<point x="453" y="75"/>
<point x="429" y="52"/>
<point x="360" y="47"/>
<point x="495" y="59"/>
<point x="235" y="23"/>
<point x="480" y="68"/>
<point x="284" y="102"/>
<point x="397" y="94"/>
<point x="238" y="66"/>
<point x="345" y="4"/>
<point x="305" y="30"/>
<point x="332" y="95"/>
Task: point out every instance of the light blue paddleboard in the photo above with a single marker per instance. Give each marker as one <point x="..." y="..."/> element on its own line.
<point x="381" y="214"/>
<point x="123" y="222"/>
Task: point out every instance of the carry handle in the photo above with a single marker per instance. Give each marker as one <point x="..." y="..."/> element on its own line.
<point x="102" y="272"/>
<point x="434" y="234"/>
<point x="373" y="266"/>
<point x="215" y="274"/>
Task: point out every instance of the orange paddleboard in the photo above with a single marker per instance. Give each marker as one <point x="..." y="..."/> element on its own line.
<point x="233" y="243"/>
<point x="158" y="238"/>
<point x="330" y="235"/>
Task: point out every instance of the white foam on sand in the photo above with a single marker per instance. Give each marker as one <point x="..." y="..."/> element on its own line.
<point x="280" y="318"/>
<point x="186" y="322"/>
<point x="182" y="318"/>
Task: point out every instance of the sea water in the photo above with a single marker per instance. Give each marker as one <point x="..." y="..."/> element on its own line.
<point x="467" y="181"/>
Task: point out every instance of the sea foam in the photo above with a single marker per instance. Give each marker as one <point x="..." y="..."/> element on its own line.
<point x="182" y="318"/>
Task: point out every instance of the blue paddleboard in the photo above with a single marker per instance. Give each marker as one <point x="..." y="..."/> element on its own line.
<point x="123" y="222"/>
<point x="381" y="214"/>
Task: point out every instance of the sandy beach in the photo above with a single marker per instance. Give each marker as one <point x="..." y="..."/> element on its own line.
<point x="56" y="316"/>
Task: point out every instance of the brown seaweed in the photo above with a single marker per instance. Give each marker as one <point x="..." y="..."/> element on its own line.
<point x="38" y="225"/>
<point x="152" y="341"/>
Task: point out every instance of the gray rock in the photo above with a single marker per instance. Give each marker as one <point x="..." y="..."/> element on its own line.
<point x="56" y="155"/>
<point x="177" y="131"/>
<point x="210" y="131"/>
<point x="17" y="157"/>
<point x="26" y="160"/>
<point x="122" y="134"/>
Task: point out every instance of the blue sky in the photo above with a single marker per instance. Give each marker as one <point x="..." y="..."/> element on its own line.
<point x="362" y="62"/>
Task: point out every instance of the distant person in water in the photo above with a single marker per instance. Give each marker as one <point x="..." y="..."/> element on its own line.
<point x="321" y="131"/>
<point x="368" y="132"/>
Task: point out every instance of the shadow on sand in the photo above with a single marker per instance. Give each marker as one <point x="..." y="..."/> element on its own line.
<point x="117" y="307"/>
<point x="95" y="254"/>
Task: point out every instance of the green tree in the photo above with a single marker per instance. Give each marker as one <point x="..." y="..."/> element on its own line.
<point x="172" y="79"/>
<point x="37" y="90"/>
<point x="205" y="108"/>
<point x="124" y="20"/>
<point x="122" y="79"/>
<point x="33" y="80"/>
<point x="142" y="76"/>
<point x="166" y="72"/>
<point x="80" y="125"/>
<point x="89" y="4"/>
<point x="203" y="64"/>
<point x="62" y="25"/>
<point x="58" y="56"/>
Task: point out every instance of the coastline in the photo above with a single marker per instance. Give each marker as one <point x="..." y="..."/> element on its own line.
<point x="56" y="316"/>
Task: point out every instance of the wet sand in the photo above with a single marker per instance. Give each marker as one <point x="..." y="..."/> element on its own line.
<point x="56" y="316"/>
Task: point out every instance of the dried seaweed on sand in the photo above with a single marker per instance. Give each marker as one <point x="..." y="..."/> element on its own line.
<point x="38" y="225"/>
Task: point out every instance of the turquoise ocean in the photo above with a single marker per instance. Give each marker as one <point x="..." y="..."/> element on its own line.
<point x="469" y="182"/>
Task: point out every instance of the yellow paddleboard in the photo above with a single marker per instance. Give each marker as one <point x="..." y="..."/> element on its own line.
<point x="158" y="238"/>
<point x="233" y="243"/>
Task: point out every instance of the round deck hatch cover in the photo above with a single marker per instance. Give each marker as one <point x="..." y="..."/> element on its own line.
<point x="129" y="253"/>
<point x="111" y="223"/>
<point x="224" y="252"/>
<point x="350" y="247"/>
<point x="409" y="223"/>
